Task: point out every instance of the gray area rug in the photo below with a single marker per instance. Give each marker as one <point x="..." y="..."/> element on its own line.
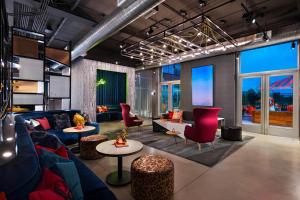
<point x="207" y="156"/>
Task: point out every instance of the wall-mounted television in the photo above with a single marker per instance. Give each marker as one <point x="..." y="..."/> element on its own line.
<point x="203" y="85"/>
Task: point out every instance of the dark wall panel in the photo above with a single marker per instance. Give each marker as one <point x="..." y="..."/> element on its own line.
<point x="224" y="84"/>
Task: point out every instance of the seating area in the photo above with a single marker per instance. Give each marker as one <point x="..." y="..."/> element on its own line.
<point x="149" y="100"/>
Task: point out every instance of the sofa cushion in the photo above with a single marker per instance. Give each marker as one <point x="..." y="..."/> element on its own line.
<point x="69" y="172"/>
<point x="44" y="123"/>
<point x="62" y="121"/>
<point x="61" y="151"/>
<point x="51" y="186"/>
<point x="44" y="139"/>
<point x="65" y="168"/>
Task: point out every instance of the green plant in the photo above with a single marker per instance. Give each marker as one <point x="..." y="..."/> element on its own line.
<point x="100" y="82"/>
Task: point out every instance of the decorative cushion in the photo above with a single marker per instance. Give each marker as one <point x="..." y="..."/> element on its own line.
<point x="170" y="114"/>
<point x="61" y="121"/>
<point x="68" y="171"/>
<point x="44" y="123"/>
<point x="34" y="123"/>
<point x="46" y="140"/>
<point x="177" y="115"/>
<point x="102" y="109"/>
<point x="2" y="196"/>
<point x="51" y="187"/>
<point x="61" y="151"/>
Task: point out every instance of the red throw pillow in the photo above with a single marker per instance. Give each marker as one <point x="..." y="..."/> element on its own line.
<point x="61" y="151"/>
<point x="170" y="115"/>
<point x="44" y="123"/>
<point x="2" y="196"/>
<point x="51" y="187"/>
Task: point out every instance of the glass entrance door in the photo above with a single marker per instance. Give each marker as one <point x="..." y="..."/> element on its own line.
<point x="281" y="115"/>
<point x="252" y="104"/>
<point x="269" y="104"/>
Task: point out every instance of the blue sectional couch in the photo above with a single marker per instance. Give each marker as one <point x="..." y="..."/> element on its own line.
<point x="67" y="139"/>
<point x="114" y="113"/>
<point x="20" y="176"/>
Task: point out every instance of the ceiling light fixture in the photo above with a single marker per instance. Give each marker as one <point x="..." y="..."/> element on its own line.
<point x="253" y="20"/>
<point x="164" y="46"/>
<point x="7" y="154"/>
<point x="150" y="31"/>
<point x="293" y="45"/>
<point x="175" y="49"/>
<point x="266" y="37"/>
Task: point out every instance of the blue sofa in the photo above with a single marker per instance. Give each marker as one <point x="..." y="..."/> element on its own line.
<point x="114" y="113"/>
<point x="67" y="139"/>
<point x="20" y="176"/>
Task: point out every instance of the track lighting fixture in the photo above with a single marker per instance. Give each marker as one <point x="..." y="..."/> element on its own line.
<point x="202" y="3"/>
<point x="150" y="31"/>
<point x="293" y="45"/>
<point x="266" y="37"/>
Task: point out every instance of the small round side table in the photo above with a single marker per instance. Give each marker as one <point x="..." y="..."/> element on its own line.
<point x="74" y="130"/>
<point x="119" y="177"/>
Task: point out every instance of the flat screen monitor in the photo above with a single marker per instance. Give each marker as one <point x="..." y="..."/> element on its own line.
<point x="203" y="85"/>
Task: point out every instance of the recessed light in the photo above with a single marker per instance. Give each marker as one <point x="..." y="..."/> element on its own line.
<point x="9" y="139"/>
<point x="7" y="154"/>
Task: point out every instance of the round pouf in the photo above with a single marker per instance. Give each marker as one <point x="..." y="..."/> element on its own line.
<point x="233" y="133"/>
<point x="88" y="146"/>
<point x="152" y="178"/>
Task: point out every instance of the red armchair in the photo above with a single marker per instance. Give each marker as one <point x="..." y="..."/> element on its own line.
<point x="129" y="121"/>
<point x="205" y="127"/>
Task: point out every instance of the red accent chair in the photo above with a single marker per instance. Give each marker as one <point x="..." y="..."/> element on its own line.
<point x="129" y="120"/>
<point x="205" y="127"/>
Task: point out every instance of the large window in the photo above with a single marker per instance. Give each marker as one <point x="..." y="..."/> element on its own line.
<point x="170" y="88"/>
<point x="277" y="57"/>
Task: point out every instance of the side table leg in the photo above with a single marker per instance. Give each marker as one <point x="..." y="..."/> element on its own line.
<point x="119" y="177"/>
<point x="120" y="166"/>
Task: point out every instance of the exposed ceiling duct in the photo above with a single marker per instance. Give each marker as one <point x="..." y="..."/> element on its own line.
<point x="128" y="12"/>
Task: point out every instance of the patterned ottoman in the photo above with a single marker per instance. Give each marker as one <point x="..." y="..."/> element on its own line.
<point x="152" y="177"/>
<point x="88" y="146"/>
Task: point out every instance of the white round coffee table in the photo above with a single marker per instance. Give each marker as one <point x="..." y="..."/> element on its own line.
<point x="74" y="130"/>
<point x="119" y="177"/>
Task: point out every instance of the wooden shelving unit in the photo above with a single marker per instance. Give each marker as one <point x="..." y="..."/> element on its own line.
<point x="28" y="74"/>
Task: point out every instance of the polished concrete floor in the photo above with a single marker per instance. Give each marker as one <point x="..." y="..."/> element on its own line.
<point x="266" y="168"/>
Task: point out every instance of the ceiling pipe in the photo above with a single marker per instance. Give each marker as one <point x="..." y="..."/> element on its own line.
<point x="128" y="12"/>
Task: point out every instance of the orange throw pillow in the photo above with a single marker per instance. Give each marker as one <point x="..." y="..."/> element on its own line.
<point x="177" y="115"/>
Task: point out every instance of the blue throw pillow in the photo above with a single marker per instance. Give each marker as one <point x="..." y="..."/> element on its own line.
<point x="66" y="169"/>
<point x="68" y="172"/>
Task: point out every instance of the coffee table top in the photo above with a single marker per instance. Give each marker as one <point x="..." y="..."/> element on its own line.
<point x="109" y="149"/>
<point x="83" y="130"/>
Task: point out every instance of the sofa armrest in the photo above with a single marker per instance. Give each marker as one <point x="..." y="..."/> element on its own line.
<point x="92" y="187"/>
